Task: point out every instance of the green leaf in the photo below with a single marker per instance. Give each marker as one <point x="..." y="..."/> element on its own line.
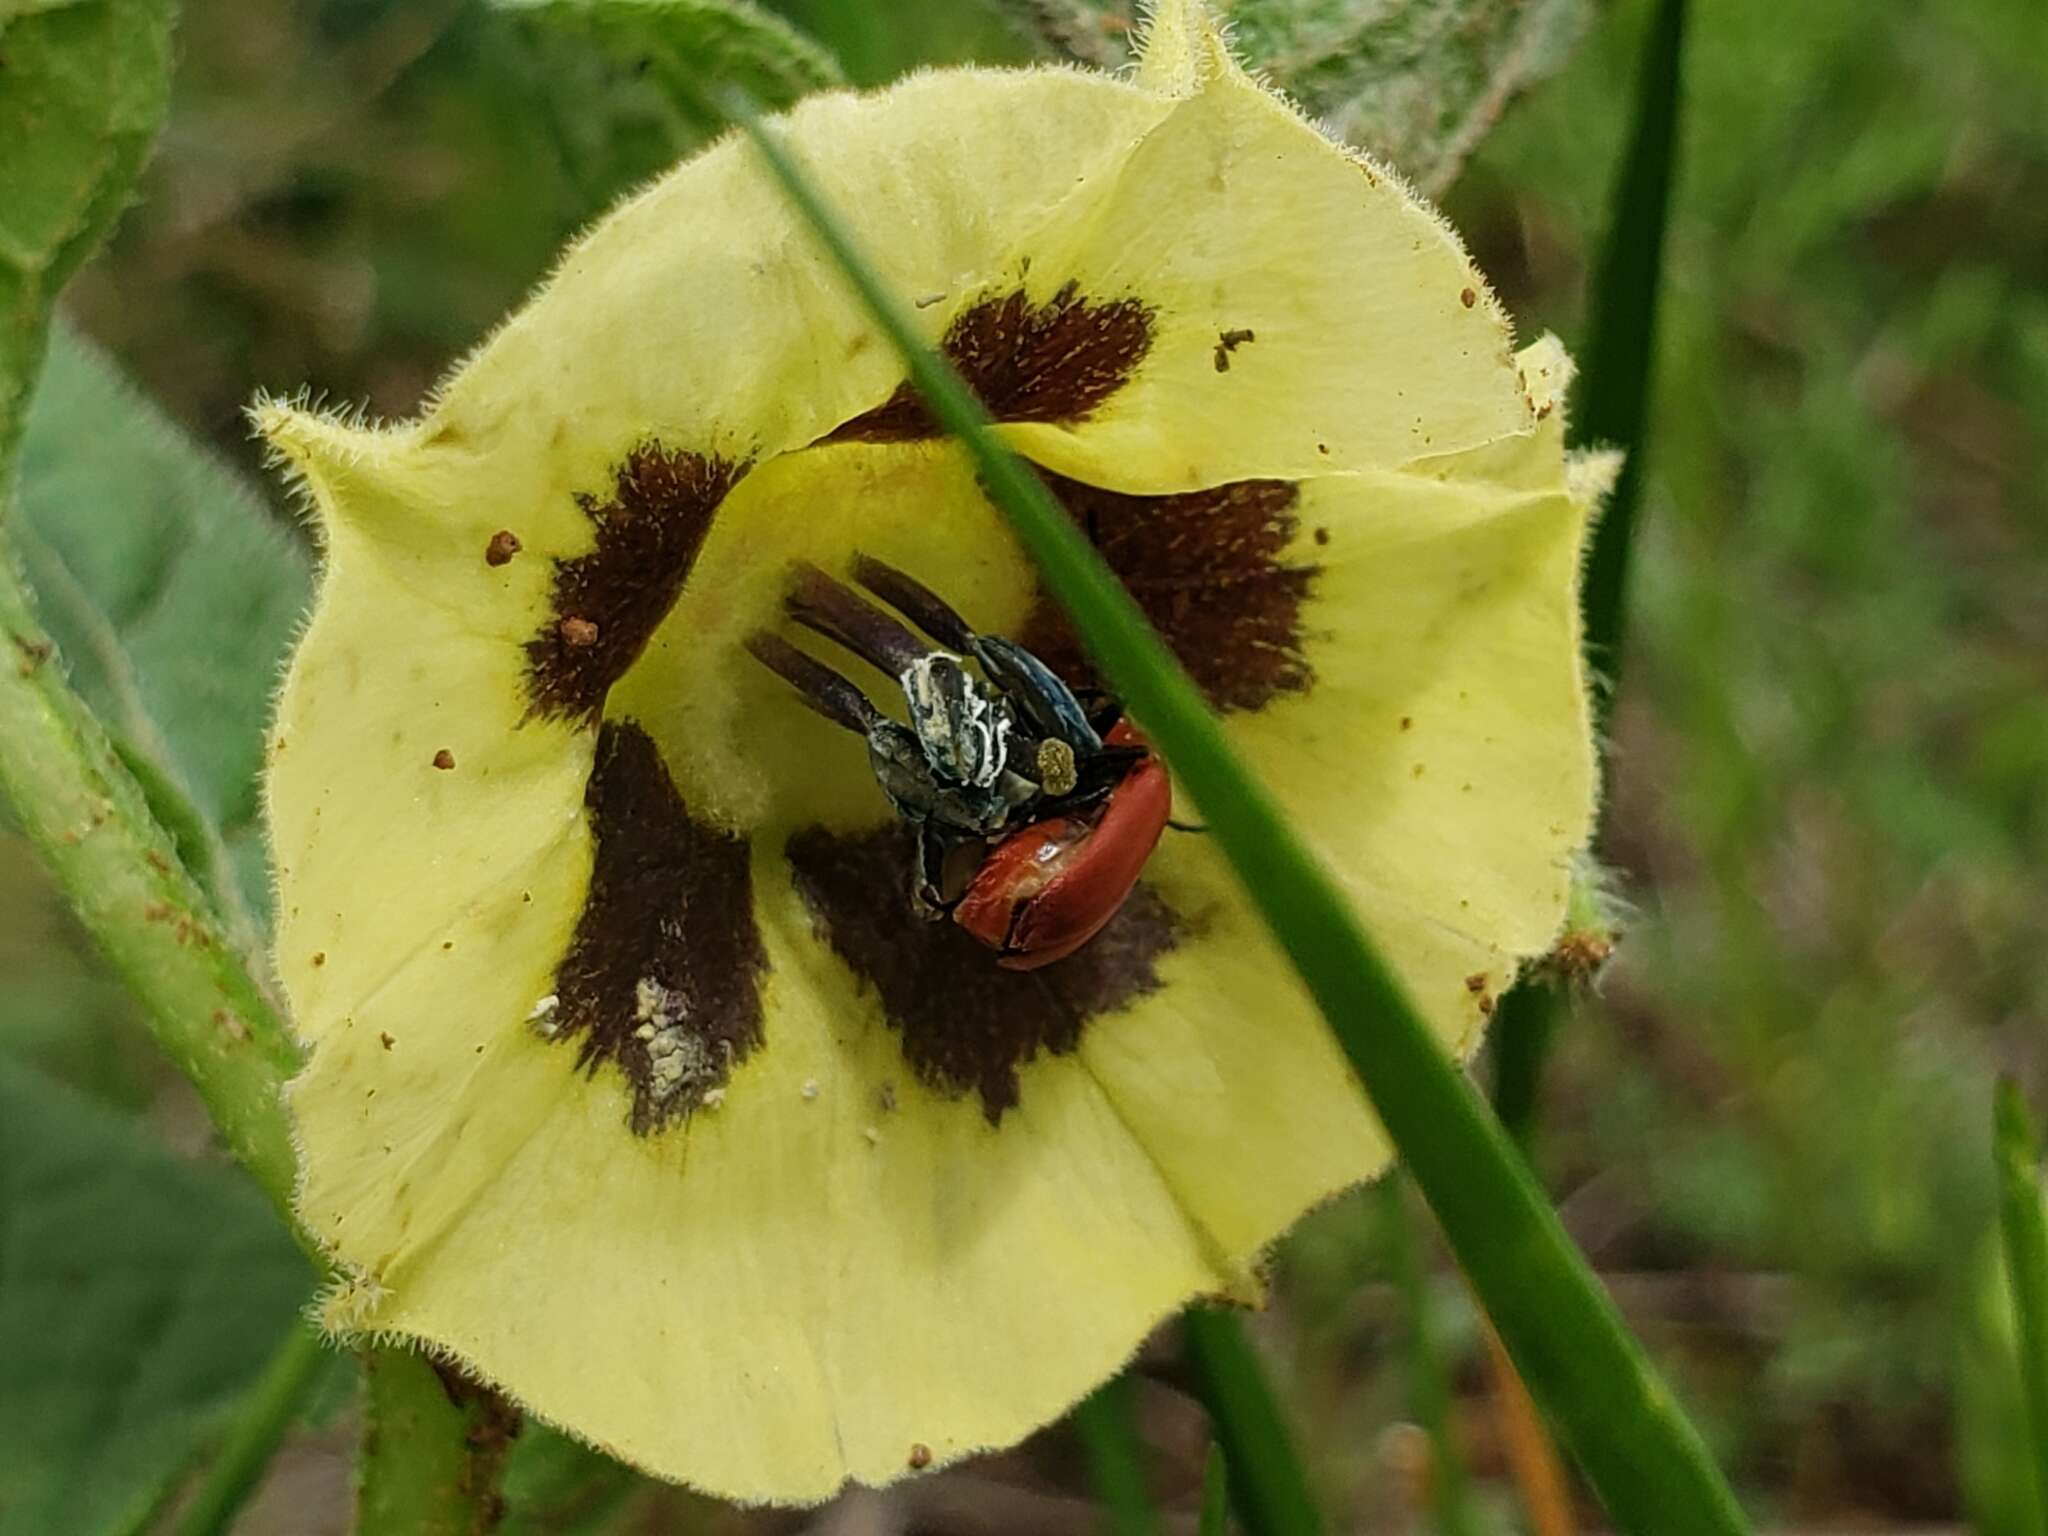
<point x="84" y="89"/>
<point x="171" y="594"/>
<point x="607" y="71"/>
<point x="1416" y="82"/>
<point x="2025" y="1225"/>
<point x="139" y="1297"/>
<point x="1614" y="1412"/>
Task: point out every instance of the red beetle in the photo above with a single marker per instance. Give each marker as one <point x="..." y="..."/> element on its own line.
<point x="1049" y="887"/>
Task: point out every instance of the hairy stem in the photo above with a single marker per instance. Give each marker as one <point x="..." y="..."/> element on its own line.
<point x="89" y="819"/>
<point x="433" y="1449"/>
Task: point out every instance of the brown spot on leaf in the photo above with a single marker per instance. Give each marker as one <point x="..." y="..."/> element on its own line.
<point x="1056" y="361"/>
<point x="444" y="760"/>
<point x="967" y="1025"/>
<point x="1207" y="568"/>
<point x="608" y="603"/>
<point x="663" y="974"/>
<point x="1228" y="342"/>
<point x="503" y="546"/>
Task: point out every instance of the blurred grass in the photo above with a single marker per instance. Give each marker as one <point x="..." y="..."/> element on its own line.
<point x="1832" y="750"/>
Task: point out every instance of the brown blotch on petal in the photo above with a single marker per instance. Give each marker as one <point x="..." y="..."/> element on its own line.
<point x="444" y="760"/>
<point x="608" y="603"/>
<point x="1208" y="569"/>
<point x="966" y="1024"/>
<point x="663" y="975"/>
<point x="1469" y="297"/>
<point x="1058" y="361"/>
<point x="503" y="546"/>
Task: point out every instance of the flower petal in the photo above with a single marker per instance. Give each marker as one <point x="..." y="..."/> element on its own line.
<point x="834" y="1266"/>
<point x="1311" y="314"/>
<point x="406" y="782"/>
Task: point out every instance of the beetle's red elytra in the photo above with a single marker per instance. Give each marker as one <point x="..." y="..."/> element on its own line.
<point x="1049" y="887"/>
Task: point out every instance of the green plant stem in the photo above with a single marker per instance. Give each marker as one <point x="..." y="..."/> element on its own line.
<point x="2026" y="1260"/>
<point x="1638" y="1450"/>
<point x="1108" y="1429"/>
<point x="89" y="819"/>
<point x="1614" y="392"/>
<point x="1523" y="1025"/>
<point x="1215" y="1493"/>
<point x="1267" y="1485"/>
<point x="433" y="1450"/>
<point x="260" y="1423"/>
<point x="1612" y="409"/>
<point x="1429" y="1394"/>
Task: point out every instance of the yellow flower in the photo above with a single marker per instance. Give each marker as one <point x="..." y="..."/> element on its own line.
<point x="634" y="1082"/>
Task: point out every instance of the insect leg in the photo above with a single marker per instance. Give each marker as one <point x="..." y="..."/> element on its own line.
<point x="817" y="684"/>
<point x="837" y="612"/>
<point x="915" y="601"/>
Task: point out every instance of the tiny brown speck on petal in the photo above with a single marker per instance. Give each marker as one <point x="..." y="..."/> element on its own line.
<point x="1469" y="297"/>
<point x="385" y="1040"/>
<point x="1476" y="982"/>
<point x="920" y="1457"/>
<point x="1228" y="342"/>
<point x="444" y="759"/>
<point x="608" y="601"/>
<point x="1407" y="722"/>
<point x="503" y="546"/>
<point x="319" y="958"/>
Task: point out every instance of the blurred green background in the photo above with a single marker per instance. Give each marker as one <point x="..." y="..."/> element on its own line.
<point x="1829" y="804"/>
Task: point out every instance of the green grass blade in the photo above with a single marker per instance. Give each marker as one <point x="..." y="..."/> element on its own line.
<point x="1614" y="387"/>
<point x="1266" y="1481"/>
<point x="2026" y="1260"/>
<point x="1617" y="1416"/>
<point x="1215" y="1516"/>
<point x="1108" y="1430"/>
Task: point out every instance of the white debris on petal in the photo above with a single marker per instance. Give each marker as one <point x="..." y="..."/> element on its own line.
<point x="676" y="1059"/>
<point x="713" y="1097"/>
<point x="546" y="1017"/>
<point x="810" y="1088"/>
<point x="873" y="1135"/>
<point x="887" y="1098"/>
